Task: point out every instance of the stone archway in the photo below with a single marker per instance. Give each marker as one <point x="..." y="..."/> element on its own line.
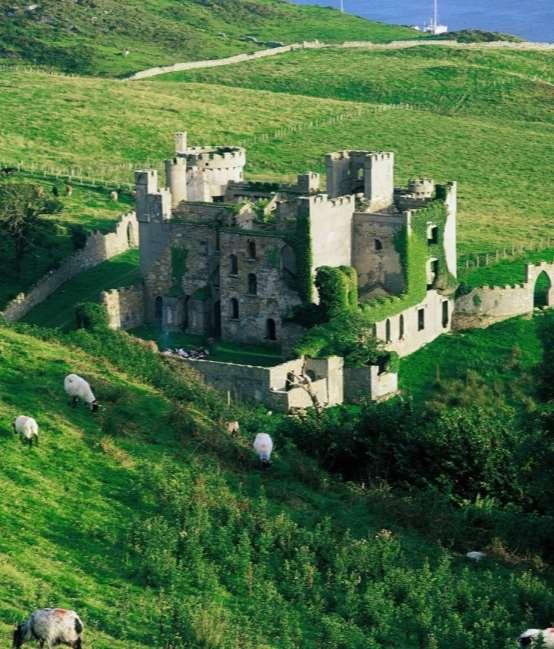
<point x="542" y="291"/>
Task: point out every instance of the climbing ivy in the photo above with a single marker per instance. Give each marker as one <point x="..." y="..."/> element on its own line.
<point x="338" y="290"/>
<point x="301" y="243"/>
<point x="178" y="269"/>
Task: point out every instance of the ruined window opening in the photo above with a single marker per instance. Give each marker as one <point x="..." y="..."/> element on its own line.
<point x="270" y="329"/>
<point x="158" y="308"/>
<point x="433" y="235"/>
<point x="218" y="199"/>
<point x="234" y="308"/>
<point x="420" y="319"/>
<point x="251" y="250"/>
<point x="130" y="237"/>
<point x="445" y="316"/>
<point x="374" y="331"/>
<point x="234" y="263"/>
<point x="387" y="331"/>
<point x="378" y="244"/>
<point x="252" y="284"/>
<point x="401" y="328"/>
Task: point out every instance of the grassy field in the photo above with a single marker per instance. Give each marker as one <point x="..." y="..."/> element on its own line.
<point x="500" y="354"/>
<point x="59" y="309"/>
<point x="91" y="37"/>
<point x="100" y="124"/>
<point x="276" y="560"/>
<point x="90" y="208"/>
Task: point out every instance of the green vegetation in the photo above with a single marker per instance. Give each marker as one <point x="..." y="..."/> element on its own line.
<point x="87" y="209"/>
<point x="505" y="272"/>
<point x="182" y="541"/>
<point x="226" y="352"/>
<point x="108" y="37"/>
<point x="499" y="355"/>
<point x="103" y="124"/>
<point x="59" y="309"/>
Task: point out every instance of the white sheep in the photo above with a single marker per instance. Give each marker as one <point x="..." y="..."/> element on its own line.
<point x="263" y="445"/>
<point x="114" y="196"/>
<point x="27" y="428"/>
<point x="50" y="626"/>
<point x="78" y="389"/>
<point x="476" y="555"/>
<point x="531" y="636"/>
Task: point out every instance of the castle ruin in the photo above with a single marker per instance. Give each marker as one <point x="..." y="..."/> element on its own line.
<point x="230" y="258"/>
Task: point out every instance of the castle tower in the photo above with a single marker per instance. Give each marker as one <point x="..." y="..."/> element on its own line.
<point x="176" y="179"/>
<point x="379" y="180"/>
<point x="151" y="203"/>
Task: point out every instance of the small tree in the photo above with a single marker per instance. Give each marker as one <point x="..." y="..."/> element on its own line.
<point x="21" y="206"/>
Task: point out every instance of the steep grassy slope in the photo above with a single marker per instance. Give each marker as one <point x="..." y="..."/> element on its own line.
<point x="90" y="36"/>
<point x="158" y="529"/>
<point x="496" y="158"/>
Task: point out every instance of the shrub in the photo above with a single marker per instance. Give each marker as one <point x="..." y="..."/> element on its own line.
<point x="91" y="316"/>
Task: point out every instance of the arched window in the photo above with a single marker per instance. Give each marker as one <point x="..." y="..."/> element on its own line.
<point x="378" y="244"/>
<point x="401" y="327"/>
<point x="542" y="290"/>
<point x="387" y="331"/>
<point x="234" y="265"/>
<point x="433" y="235"/>
<point x="252" y="284"/>
<point x="270" y="329"/>
<point x="158" y="308"/>
<point x="251" y="250"/>
<point x="234" y="308"/>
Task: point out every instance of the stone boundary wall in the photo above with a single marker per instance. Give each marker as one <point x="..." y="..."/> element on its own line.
<point x="394" y="45"/>
<point x="487" y="305"/>
<point x="124" y="306"/>
<point x="98" y="248"/>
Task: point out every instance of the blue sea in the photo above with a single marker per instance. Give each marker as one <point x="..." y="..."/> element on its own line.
<point x="530" y="19"/>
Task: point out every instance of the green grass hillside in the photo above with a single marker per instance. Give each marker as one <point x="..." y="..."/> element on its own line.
<point x="90" y="36"/>
<point x="157" y="527"/>
<point x="102" y="125"/>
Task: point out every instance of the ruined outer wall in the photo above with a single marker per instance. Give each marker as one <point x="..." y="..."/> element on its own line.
<point x="98" y="248"/>
<point x="366" y="382"/>
<point x="413" y="338"/>
<point x="377" y="268"/>
<point x="124" y="306"/>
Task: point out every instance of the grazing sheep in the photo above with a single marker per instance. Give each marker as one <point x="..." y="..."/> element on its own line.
<point x="27" y="428"/>
<point x="50" y="626"/>
<point x="475" y="555"/>
<point x="531" y="636"/>
<point x="263" y="445"/>
<point x="79" y="390"/>
<point x="233" y="427"/>
<point x="68" y="190"/>
<point x="114" y="196"/>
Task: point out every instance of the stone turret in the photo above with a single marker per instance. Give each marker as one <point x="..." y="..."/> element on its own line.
<point x="176" y="179"/>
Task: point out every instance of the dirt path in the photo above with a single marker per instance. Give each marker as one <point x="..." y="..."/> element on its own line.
<point x="316" y="45"/>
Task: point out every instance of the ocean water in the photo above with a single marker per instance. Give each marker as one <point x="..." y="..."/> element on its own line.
<point x="529" y="19"/>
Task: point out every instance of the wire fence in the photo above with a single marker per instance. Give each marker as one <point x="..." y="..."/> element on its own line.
<point x="513" y="252"/>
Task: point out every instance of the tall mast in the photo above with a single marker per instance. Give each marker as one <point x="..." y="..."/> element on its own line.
<point x="342" y="6"/>
<point x="435" y="14"/>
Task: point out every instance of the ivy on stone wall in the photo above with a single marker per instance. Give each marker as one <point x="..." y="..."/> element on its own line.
<point x="301" y="243"/>
<point x="415" y="251"/>
<point x="178" y="269"/>
<point x="337" y="288"/>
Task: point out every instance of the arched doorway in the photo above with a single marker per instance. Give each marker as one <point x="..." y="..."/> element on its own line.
<point x="542" y="291"/>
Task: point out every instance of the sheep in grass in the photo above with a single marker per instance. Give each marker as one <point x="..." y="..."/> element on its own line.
<point x="50" y="627"/>
<point x="263" y="445"/>
<point x="27" y="428"/>
<point x="531" y="637"/>
<point x="79" y="390"/>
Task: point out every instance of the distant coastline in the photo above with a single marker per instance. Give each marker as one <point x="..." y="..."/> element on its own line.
<point x="532" y="20"/>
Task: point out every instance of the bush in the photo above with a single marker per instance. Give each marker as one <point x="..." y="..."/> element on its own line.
<point x="79" y="236"/>
<point x="91" y="316"/>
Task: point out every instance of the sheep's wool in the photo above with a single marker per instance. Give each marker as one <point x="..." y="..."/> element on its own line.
<point x="263" y="445"/>
<point x="76" y="386"/>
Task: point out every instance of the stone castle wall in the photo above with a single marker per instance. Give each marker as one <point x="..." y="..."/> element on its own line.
<point x="98" y="248"/>
<point x="487" y="305"/>
<point x="124" y="306"/>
